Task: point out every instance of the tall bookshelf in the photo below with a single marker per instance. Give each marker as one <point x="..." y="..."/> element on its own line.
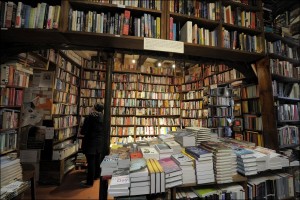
<point x="283" y="55"/>
<point x="92" y="87"/>
<point x="14" y="79"/>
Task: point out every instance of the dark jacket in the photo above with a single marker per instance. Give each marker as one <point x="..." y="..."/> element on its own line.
<point x="93" y="131"/>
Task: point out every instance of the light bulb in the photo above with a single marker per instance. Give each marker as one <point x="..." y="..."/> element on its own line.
<point x="159" y="64"/>
<point x="133" y="61"/>
<point x="173" y="65"/>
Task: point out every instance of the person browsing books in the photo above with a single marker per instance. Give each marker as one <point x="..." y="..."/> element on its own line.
<point x="92" y="143"/>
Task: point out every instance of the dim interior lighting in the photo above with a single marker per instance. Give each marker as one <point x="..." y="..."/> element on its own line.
<point x="159" y="64"/>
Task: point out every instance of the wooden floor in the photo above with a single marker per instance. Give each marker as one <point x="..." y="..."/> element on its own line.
<point x="69" y="189"/>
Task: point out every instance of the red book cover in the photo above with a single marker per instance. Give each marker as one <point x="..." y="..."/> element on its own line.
<point x="253" y="18"/>
<point x="135" y="155"/>
<point x="171" y="28"/>
<point x="11" y="76"/>
<point x="126" y="22"/>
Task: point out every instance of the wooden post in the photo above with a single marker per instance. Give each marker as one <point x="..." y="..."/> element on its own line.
<point x="107" y="109"/>
<point x="270" y="135"/>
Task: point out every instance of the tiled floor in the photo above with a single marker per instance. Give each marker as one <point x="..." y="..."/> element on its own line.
<point x="69" y="189"/>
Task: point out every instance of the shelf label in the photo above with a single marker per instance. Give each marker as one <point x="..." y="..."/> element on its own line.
<point x="163" y="45"/>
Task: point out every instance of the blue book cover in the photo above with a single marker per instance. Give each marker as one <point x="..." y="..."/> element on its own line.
<point x="198" y="152"/>
<point x="241" y="152"/>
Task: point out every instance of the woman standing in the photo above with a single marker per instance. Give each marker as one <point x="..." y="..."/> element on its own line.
<point x="92" y="143"/>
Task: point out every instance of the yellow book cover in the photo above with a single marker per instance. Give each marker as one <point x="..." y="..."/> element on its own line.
<point x="158" y="27"/>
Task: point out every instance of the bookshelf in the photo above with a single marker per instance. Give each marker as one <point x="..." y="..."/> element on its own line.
<point x="92" y="88"/>
<point x="144" y="100"/>
<point x="284" y="69"/>
<point x="14" y="79"/>
<point x="30" y="39"/>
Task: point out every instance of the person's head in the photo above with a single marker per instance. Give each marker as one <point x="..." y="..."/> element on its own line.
<point x="99" y="107"/>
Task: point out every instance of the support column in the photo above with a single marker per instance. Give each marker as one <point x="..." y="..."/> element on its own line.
<point x="107" y="122"/>
<point x="266" y="98"/>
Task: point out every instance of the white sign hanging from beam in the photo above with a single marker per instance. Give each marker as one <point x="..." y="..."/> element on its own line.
<point x="163" y="45"/>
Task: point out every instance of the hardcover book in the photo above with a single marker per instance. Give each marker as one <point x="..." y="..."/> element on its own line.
<point x="198" y="152"/>
<point x="169" y="165"/>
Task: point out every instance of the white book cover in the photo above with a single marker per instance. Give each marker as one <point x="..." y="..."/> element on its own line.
<point x="186" y="32"/>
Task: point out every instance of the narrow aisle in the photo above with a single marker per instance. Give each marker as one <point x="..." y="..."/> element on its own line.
<point x="69" y="189"/>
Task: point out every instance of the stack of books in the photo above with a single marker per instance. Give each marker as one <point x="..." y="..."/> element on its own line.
<point x="223" y="161"/>
<point x="10" y="170"/>
<point x="246" y="162"/>
<point x="175" y="146"/>
<point x="109" y="164"/>
<point x="201" y="134"/>
<point x="149" y="152"/>
<point x="139" y="177"/>
<point x="164" y="150"/>
<point x="173" y="173"/>
<point x="120" y="183"/>
<point x="166" y="137"/>
<point x="204" y="164"/>
<point x="186" y="164"/>
<point x="157" y="176"/>
<point x="184" y="138"/>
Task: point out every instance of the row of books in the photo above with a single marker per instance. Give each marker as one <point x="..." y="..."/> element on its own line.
<point x="206" y="10"/>
<point x="15" y="74"/>
<point x="284" y="68"/>
<point x="20" y="15"/>
<point x="64" y="109"/>
<point x="250" y="92"/>
<point x="150" y="4"/>
<point x="222" y="77"/>
<point x="98" y="93"/>
<point x="67" y="65"/>
<point x="62" y="134"/>
<point x="93" y="84"/>
<point x="131" y="94"/>
<point x="253" y="136"/>
<point x="194" y="122"/>
<point x="94" y="75"/>
<point x="158" y="103"/>
<point x="281" y="49"/>
<point x="88" y="101"/>
<point x="65" y="121"/>
<point x="9" y="118"/>
<point x="158" y="95"/>
<point x="11" y="171"/>
<point x="163" y="80"/>
<point x="63" y="97"/>
<point x="66" y="76"/>
<point x="286" y="90"/>
<point x="193" y="34"/>
<point x="124" y="77"/>
<point x="238" y="17"/>
<point x="193" y="95"/>
<point x="93" y="65"/>
<point x="219" y="111"/>
<point x="190" y="86"/>
<point x="11" y="97"/>
<point x="161" y="121"/>
<point x="124" y="86"/>
<point x="153" y="70"/>
<point x="194" y="113"/>
<point x="123" y="111"/>
<point x="8" y="141"/>
<point x="115" y="23"/>
<point x="288" y="112"/>
<point x="156" y="88"/>
<point x="251" y="106"/>
<point x="65" y="86"/>
<point x="158" y="111"/>
<point x="217" y="122"/>
<point x="241" y="41"/>
<point x="288" y="135"/>
<point x="252" y="122"/>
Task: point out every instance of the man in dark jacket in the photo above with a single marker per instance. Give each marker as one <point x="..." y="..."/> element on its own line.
<point x="92" y="144"/>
